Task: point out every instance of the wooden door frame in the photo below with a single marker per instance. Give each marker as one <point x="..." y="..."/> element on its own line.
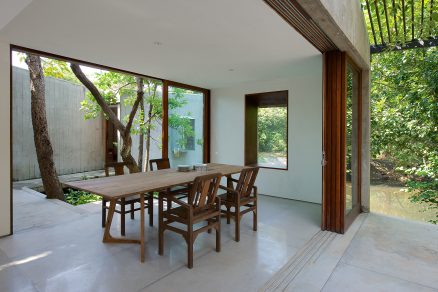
<point x="334" y="142"/>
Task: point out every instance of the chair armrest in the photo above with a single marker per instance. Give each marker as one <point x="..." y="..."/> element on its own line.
<point x="227" y="189"/>
<point x="179" y="202"/>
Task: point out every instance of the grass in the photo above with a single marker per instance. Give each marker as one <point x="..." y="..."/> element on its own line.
<point x="74" y="197"/>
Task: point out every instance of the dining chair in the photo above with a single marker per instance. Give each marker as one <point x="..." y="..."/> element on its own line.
<point x="202" y="206"/>
<point x="164" y="163"/>
<point x="243" y="198"/>
<point x="119" y="169"/>
<point x="160" y="163"/>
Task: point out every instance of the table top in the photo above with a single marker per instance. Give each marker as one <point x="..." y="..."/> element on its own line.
<point x="116" y="187"/>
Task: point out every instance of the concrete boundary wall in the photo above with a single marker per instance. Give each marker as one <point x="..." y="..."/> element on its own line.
<point x="78" y="145"/>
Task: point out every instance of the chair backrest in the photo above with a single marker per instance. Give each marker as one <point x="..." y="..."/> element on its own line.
<point x="119" y="168"/>
<point x="246" y="181"/>
<point x="162" y="163"/>
<point x="203" y="191"/>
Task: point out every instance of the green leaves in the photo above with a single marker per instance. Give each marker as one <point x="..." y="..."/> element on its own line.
<point x="272" y="129"/>
<point x="74" y="197"/>
<point x="404" y="117"/>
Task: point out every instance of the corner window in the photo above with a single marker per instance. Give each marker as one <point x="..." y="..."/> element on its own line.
<point x="266" y="121"/>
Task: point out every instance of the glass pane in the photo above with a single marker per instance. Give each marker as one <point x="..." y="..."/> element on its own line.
<point x="351" y="140"/>
<point x="186" y="127"/>
<point x="146" y="128"/>
<point x="272" y="137"/>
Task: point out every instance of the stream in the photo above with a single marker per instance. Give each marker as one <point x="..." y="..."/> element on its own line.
<point x="394" y="201"/>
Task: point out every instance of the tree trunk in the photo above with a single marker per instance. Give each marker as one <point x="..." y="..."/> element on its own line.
<point x="141" y="136"/>
<point x="43" y="146"/>
<point x="148" y="135"/>
<point x="125" y="131"/>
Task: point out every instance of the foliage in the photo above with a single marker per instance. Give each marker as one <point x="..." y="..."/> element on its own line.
<point x="272" y="129"/>
<point x="404" y="116"/>
<point x="424" y="23"/>
<point x="74" y="197"/>
<point x="427" y="193"/>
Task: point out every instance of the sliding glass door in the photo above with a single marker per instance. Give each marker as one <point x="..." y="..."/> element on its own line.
<point x="352" y="144"/>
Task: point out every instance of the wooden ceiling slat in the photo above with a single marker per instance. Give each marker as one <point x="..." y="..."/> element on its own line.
<point x="294" y="14"/>
<point x="404" y="20"/>
<point x="412" y="20"/>
<point x="395" y="19"/>
<point x="422" y="18"/>
<point x="387" y="21"/>
<point x="378" y="21"/>
<point x="430" y="17"/>
<point x="371" y="22"/>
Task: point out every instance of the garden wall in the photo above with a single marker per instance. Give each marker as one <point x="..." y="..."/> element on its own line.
<point x="78" y="144"/>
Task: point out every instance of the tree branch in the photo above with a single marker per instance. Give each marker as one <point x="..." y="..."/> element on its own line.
<point x="98" y="97"/>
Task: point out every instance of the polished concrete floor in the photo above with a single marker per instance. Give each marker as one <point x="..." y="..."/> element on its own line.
<point x="58" y="248"/>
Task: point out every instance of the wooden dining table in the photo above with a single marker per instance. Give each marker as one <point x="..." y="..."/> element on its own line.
<point x="113" y="188"/>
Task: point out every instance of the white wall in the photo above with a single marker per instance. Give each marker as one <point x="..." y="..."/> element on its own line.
<point x="303" y="179"/>
<point x="5" y="174"/>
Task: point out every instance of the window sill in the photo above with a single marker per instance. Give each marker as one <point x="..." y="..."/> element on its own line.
<point x="267" y="167"/>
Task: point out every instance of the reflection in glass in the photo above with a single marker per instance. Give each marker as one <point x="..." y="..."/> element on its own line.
<point x="351" y="108"/>
<point x="186" y="115"/>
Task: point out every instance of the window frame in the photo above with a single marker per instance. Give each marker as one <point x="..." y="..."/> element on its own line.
<point x="254" y="101"/>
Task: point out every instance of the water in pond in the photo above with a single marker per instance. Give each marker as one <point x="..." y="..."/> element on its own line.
<point x="394" y="201"/>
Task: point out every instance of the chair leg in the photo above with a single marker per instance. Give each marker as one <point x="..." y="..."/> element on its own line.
<point x="237" y="219"/>
<point x="132" y="211"/>
<point x="122" y="217"/>
<point x="160" y="227"/>
<point x="151" y="210"/>
<point x="190" y="246"/>
<point x="254" y="218"/>
<point x="218" y="234"/>
<point x="228" y="214"/>
<point x="208" y="223"/>
<point x="103" y="213"/>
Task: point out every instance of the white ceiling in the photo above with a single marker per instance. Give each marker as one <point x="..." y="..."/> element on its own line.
<point x="200" y="40"/>
<point x="9" y="9"/>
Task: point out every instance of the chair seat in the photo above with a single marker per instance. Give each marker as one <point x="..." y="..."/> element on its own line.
<point x="183" y="212"/>
<point x="231" y="198"/>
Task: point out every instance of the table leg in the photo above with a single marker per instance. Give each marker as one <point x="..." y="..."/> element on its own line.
<point x="142" y="215"/>
<point x="107" y="237"/>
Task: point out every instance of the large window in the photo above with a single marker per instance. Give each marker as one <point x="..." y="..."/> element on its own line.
<point x="266" y="119"/>
<point x="171" y="121"/>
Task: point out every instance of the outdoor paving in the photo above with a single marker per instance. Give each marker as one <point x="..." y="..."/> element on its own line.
<point x="37" y="183"/>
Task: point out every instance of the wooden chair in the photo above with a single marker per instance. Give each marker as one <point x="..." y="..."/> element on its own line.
<point x="161" y="163"/>
<point x="244" y="195"/>
<point x="119" y="170"/>
<point x="164" y="163"/>
<point x="202" y="206"/>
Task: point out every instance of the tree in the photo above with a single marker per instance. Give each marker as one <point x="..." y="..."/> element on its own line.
<point x="43" y="146"/>
<point x="114" y="87"/>
<point x="271" y="129"/>
<point x="404" y="117"/>
<point x="125" y="131"/>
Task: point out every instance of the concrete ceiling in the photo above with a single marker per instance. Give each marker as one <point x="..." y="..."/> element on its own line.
<point x="207" y="43"/>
